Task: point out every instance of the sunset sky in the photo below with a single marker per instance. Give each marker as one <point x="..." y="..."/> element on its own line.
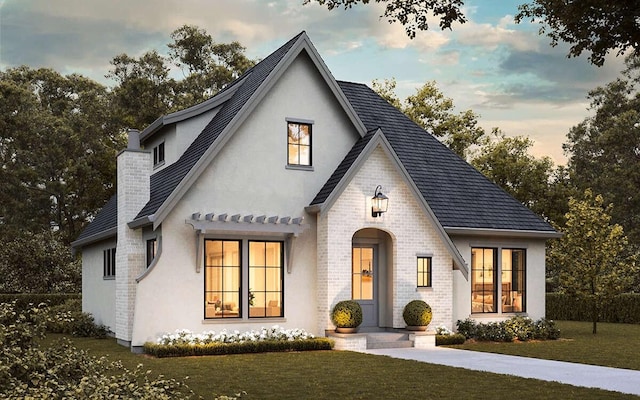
<point x="505" y="72"/>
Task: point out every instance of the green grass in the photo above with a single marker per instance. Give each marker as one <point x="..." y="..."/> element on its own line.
<point x="615" y="345"/>
<point x="349" y="375"/>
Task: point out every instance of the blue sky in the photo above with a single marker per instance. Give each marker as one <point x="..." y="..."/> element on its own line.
<point x="505" y="72"/>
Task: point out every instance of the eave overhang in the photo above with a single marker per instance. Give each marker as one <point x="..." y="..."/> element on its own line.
<point x="512" y="233"/>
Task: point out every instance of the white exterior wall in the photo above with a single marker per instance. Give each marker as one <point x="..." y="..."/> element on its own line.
<point x="535" y="276"/>
<point x="249" y="176"/>
<point x="412" y="233"/>
<point x="99" y="293"/>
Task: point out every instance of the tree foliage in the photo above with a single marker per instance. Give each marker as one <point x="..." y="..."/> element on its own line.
<point x="595" y="26"/>
<point x="506" y="161"/>
<point x="592" y="257"/>
<point x="605" y="149"/>
<point x="57" y="151"/>
<point x="414" y="15"/>
<point x="146" y="90"/>
<point x="38" y="263"/>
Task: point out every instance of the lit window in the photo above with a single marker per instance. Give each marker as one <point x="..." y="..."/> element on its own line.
<point x="513" y="280"/>
<point x="223" y="277"/>
<point x="299" y="144"/>
<point x="496" y="289"/>
<point x="109" y="262"/>
<point x="362" y="273"/>
<point x="265" y="279"/>
<point x="158" y="154"/>
<point x="424" y="271"/>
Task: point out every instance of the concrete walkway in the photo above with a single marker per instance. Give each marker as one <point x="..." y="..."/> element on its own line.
<point x="614" y="379"/>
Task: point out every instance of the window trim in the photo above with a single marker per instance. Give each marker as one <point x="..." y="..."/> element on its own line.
<point x="299" y="166"/>
<point x="249" y="266"/>
<point x="243" y="307"/>
<point x="222" y="291"/>
<point x="151" y="252"/>
<point x="429" y="271"/>
<point x="109" y="263"/>
<point x="158" y="151"/>
<point x="498" y="284"/>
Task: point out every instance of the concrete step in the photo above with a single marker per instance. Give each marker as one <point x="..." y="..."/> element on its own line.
<point x="388" y="340"/>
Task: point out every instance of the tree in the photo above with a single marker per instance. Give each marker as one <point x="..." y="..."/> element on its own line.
<point x="57" y="151"/>
<point x="434" y="112"/>
<point x="145" y="89"/>
<point x="412" y="14"/>
<point x="594" y="26"/>
<point x="506" y="162"/>
<point x="38" y="263"/>
<point x="605" y="149"/>
<point x="592" y="257"/>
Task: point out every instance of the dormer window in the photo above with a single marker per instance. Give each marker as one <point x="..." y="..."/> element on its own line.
<point x="299" y="143"/>
<point x="158" y="155"/>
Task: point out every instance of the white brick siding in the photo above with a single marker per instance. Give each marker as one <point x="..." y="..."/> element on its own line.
<point x="134" y="170"/>
<point x="412" y="233"/>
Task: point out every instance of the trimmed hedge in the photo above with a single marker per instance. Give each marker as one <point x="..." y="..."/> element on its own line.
<point x="445" y="340"/>
<point x="211" y="349"/>
<point x="624" y="308"/>
<point x="24" y="299"/>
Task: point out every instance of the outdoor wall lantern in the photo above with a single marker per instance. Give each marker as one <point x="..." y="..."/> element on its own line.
<point x="379" y="203"/>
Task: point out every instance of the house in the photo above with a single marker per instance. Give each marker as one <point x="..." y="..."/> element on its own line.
<point x="289" y="191"/>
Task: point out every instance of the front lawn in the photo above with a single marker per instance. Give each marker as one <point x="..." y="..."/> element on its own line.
<point x="337" y="374"/>
<point x="615" y="345"/>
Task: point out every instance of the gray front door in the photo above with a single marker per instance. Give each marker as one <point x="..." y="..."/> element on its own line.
<point x="364" y="282"/>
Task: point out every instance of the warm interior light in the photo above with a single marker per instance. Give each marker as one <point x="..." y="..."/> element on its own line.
<point x="379" y="203"/>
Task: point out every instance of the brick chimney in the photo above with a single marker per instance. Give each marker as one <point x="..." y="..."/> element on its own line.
<point x="133" y="186"/>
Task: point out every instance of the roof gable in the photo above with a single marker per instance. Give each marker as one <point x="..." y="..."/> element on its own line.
<point x="169" y="185"/>
<point x="458" y="195"/>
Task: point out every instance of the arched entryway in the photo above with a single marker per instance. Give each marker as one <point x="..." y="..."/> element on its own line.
<point x="372" y="276"/>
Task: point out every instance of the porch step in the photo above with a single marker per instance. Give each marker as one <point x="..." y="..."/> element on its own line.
<point x="388" y="340"/>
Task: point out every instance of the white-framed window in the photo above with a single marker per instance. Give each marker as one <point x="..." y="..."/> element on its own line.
<point x="109" y="263"/>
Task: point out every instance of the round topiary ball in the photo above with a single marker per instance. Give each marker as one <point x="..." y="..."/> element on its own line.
<point x="417" y="313"/>
<point x="347" y="314"/>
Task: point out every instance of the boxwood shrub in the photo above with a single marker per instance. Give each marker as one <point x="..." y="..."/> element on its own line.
<point x="518" y="327"/>
<point x="445" y="340"/>
<point x="208" y="349"/>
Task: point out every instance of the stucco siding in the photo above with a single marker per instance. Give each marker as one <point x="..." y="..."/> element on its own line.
<point x="99" y="293"/>
<point x="250" y="176"/>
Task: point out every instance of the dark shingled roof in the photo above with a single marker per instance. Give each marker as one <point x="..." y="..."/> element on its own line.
<point x="106" y="219"/>
<point x="458" y="194"/>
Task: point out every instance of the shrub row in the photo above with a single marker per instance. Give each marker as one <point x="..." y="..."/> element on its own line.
<point x="521" y="328"/>
<point x="24" y="301"/>
<point x="445" y="340"/>
<point x="208" y="349"/>
<point x="624" y="308"/>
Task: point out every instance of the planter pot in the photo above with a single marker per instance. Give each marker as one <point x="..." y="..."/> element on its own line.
<point x="346" y="330"/>
<point x="416" y="327"/>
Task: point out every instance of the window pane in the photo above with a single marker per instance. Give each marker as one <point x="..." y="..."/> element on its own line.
<point x="265" y="279"/>
<point x="483" y="276"/>
<point x="513" y="280"/>
<point x="222" y="279"/>
<point x="298" y="144"/>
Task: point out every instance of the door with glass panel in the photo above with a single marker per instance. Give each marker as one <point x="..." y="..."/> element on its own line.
<point x="364" y="286"/>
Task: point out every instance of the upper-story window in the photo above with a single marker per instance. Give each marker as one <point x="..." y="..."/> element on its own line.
<point x="158" y="154"/>
<point x="152" y="249"/>
<point x="299" y="143"/>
